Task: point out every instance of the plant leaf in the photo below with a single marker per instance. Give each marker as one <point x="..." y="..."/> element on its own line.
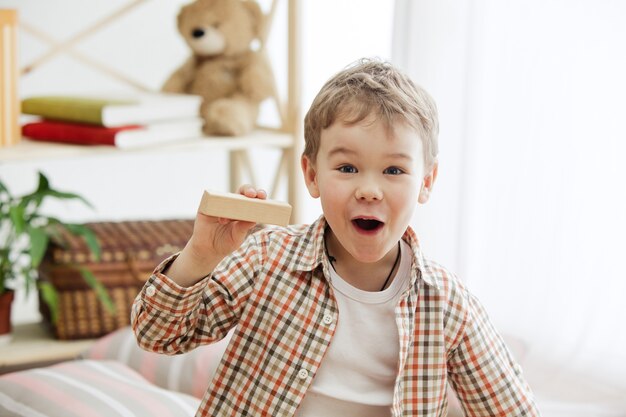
<point x="38" y="244"/>
<point x="37" y="196"/>
<point x="88" y="236"/>
<point x="6" y="199"/>
<point x="51" y="298"/>
<point x="68" y="196"/>
<point x="45" y="190"/>
<point x="30" y="278"/>
<point x="54" y="230"/>
<point x="44" y="184"/>
<point x="17" y="218"/>
<point x="4" y="189"/>
<point x="101" y="292"/>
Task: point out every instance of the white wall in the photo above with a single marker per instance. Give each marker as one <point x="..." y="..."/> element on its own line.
<point x="336" y="33"/>
<point x="145" y="46"/>
<point x="431" y="44"/>
<point x="531" y="210"/>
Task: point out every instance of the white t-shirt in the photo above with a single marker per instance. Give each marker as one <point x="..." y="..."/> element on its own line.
<point x="358" y="373"/>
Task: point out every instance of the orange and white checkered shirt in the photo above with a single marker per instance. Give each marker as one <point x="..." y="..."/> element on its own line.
<point x="274" y="290"/>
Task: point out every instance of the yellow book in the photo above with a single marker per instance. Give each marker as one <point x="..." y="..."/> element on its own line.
<point x="113" y="111"/>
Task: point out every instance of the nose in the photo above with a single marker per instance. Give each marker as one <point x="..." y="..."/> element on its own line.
<point x="197" y="33"/>
<point x="369" y="191"/>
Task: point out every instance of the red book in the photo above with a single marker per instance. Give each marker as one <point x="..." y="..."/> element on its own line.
<point x="123" y="137"/>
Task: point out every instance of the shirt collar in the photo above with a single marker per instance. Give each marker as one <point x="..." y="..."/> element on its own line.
<point x="312" y="250"/>
<point x="313" y="253"/>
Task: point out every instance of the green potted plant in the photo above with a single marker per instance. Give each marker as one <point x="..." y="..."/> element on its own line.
<point x="24" y="236"/>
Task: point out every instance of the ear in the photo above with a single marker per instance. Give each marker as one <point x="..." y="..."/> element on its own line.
<point x="428" y="183"/>
<point x="310" y="176"/>
<point x="258" y="18"/>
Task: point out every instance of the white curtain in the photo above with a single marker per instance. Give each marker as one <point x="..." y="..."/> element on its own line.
<point x="530" y="206"/>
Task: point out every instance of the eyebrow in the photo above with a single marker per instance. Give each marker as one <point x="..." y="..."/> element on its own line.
<point x="400" y="155"/>
<point x="345" y="151"/>
<point x="341" y="150"/>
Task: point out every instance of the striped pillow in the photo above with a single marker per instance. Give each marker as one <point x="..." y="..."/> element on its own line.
<point x="89" y="388"/>
<point x="189" y="373"/>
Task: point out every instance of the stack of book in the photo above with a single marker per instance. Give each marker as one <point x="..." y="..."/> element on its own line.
<point x="142" y="120"/>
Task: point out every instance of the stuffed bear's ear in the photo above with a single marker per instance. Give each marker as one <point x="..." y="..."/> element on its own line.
<point x="258" y="18"/>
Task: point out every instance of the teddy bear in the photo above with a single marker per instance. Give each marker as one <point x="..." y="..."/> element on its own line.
<point x="224" y="68"/>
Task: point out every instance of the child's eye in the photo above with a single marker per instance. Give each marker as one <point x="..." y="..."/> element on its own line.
<point x="393" y="171"/>
<point x="347" y="169"/>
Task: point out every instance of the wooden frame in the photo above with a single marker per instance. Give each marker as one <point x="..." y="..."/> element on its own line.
<point x="285" y="138"/>
<point x="9" y="101"/>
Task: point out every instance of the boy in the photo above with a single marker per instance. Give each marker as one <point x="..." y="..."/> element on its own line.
<point x="344" y="317"/>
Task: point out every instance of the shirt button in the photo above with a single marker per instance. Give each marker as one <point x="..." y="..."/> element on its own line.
<point x="518" y="368"/>
<point x="328" y="319"/>
<point x="303" y="374"/>
<point x="151" y="291"/>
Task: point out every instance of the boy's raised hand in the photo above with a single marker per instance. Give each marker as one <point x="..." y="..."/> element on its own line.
<point x="212" y="239"/>
<point x="220" y="235"/>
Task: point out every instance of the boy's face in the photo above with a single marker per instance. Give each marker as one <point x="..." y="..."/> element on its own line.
<point x="369" y="180"/>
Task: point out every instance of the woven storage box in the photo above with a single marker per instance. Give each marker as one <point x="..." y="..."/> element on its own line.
<point x="130" y="252"/>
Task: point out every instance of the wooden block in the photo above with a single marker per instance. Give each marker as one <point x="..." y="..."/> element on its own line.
<point x="239" y="207"/>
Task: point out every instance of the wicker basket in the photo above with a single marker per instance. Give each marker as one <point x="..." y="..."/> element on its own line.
<point x="130" y="252"/>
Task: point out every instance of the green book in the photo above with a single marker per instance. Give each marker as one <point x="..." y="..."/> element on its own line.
<point x="111" y="112"/>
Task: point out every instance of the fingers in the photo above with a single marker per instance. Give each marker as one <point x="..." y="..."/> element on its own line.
<point x="249" y="191"/>
<point x="243" y="227"/>
<point x="246" y="190"/>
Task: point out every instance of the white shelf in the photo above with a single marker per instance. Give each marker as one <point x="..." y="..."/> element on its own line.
<point x="32" y="344"/>
<point x="28" y="150"/>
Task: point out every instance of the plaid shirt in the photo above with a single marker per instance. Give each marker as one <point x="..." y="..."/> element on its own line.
<point x="274" y="289"/>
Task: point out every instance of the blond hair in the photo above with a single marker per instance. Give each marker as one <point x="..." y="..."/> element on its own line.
<point x="367" y="87"/>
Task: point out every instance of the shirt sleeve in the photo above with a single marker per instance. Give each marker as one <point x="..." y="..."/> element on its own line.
<point x="484" y="374"/>
<point x="168" y="318"/>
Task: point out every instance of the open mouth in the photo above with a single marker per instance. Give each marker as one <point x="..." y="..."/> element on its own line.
<point x="367" y="225"/>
